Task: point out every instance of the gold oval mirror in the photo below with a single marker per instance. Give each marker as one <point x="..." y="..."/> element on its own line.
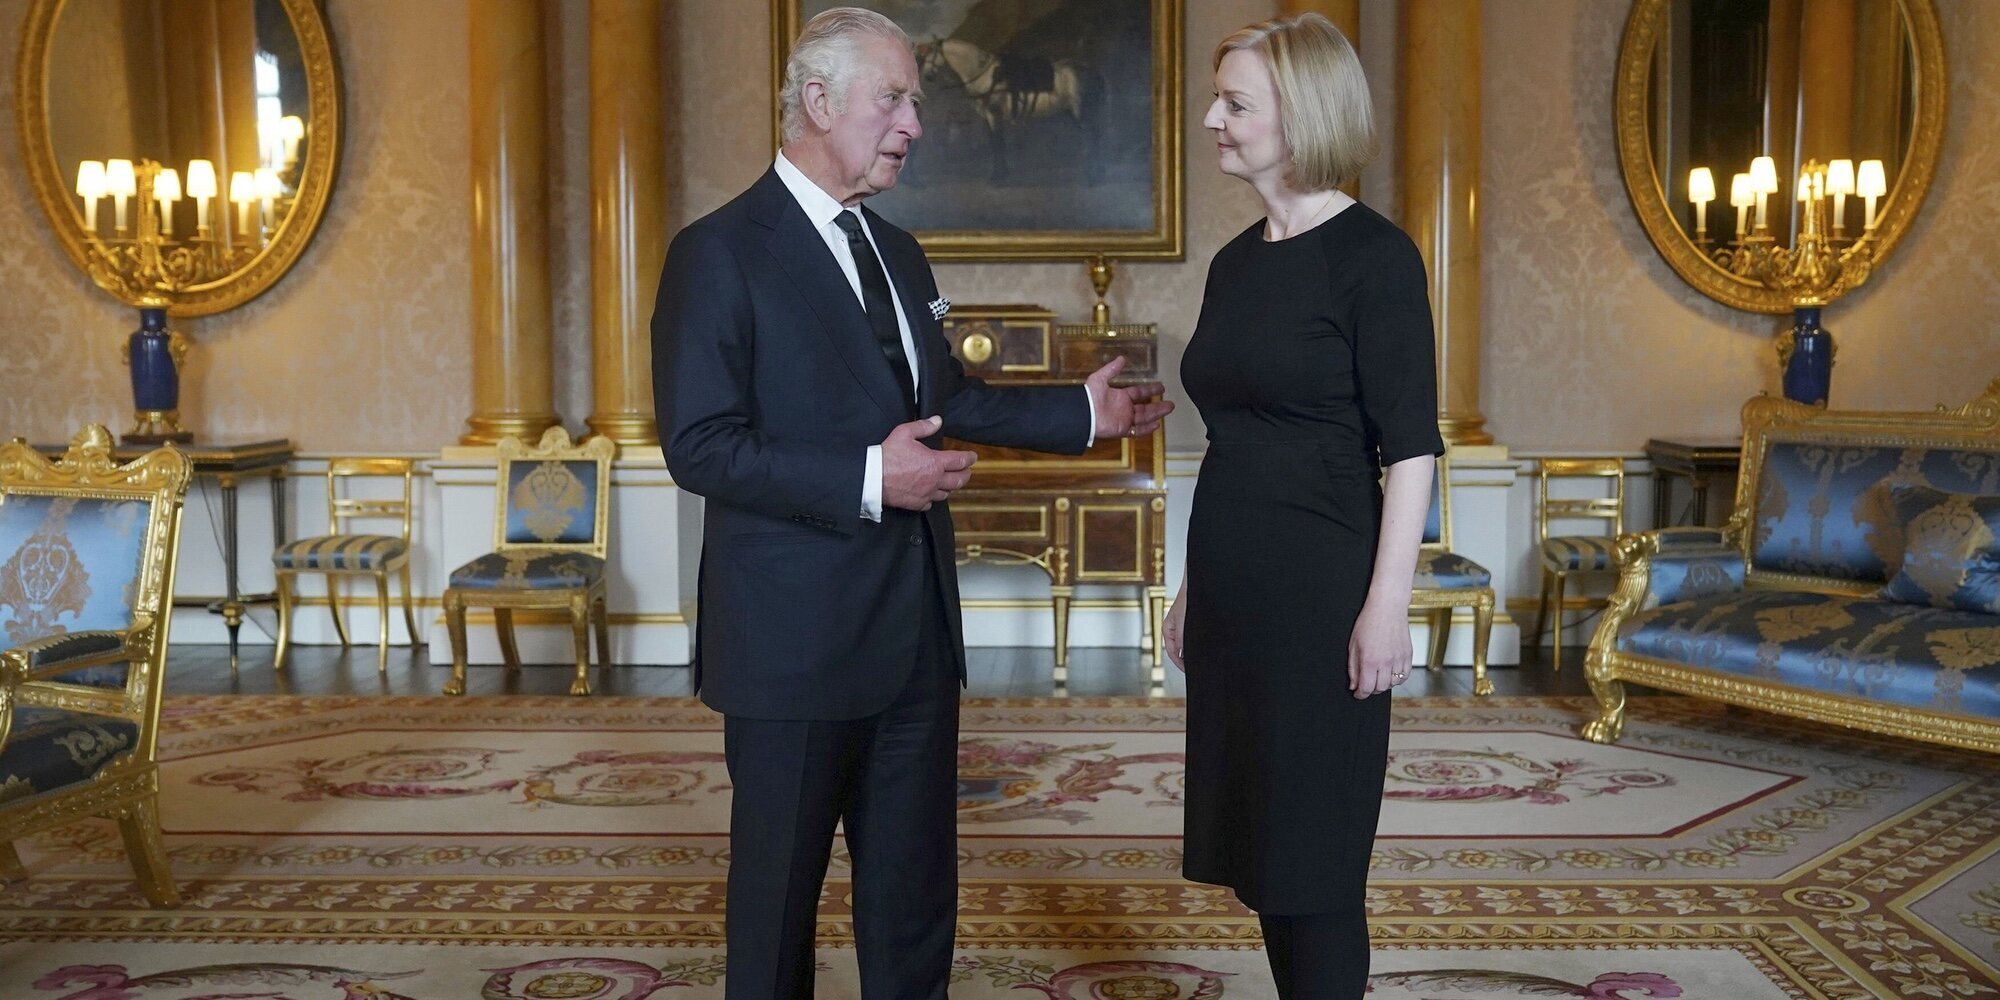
<point x="1707" y="87"/>
<point x="184" y="150"/>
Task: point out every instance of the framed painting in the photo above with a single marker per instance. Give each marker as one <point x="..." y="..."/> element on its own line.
<point x="1052" y="128"/>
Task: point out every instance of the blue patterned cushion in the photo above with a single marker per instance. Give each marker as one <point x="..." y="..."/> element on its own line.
<point x="1578" y="553"/>
<point x="1863" y="647"/>
<point x="1449" y="571"/>
<point x="1951" y="549"/>
<point x="1820" y="513"/>
<point x="339" y="552"/>
<point x="528" y="569"/>
<point x="551" y="503"/>
<point x="1685" y="573"/>
<point x="67" y="564"/>
<point x="50" y="748"/>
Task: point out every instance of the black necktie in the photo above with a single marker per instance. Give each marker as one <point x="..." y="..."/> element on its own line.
<point x="881" y="307"/>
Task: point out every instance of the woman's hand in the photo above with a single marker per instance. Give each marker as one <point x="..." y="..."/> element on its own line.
<point x="1170" y="629"/>
<point x="1378" y="651"/>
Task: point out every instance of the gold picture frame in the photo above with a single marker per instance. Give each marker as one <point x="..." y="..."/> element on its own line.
<point x="948" y="185"/>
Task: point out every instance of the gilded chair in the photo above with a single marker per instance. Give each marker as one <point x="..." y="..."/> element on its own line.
<point x="340" y="554"/>
<point x="1446" y="581"/>
<point x="86" y="588"/>
<point x="1563" y="555"/>
<point x="550" y="531"/>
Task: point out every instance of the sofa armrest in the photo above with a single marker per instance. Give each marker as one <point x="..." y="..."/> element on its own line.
<point x="59" y="654"/>
<point x="1677" y="564"/>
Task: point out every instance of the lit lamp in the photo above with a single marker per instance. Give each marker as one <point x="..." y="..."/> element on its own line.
<point x="167" y="191"/>
<point x="269" y="187"/>
<point x="90" y="187"/>
<point x="201" y="187"/>
<point x="1701" y="191"/>
<point x="1764" y="181"/>
<point x="120" y="184"/>
<point x="1870" y="184"/>
<point x="1741" y="197"/>
<point x="293" y="129"/>
<point x="1840" y="184"/>
<point x="242" y="191"/>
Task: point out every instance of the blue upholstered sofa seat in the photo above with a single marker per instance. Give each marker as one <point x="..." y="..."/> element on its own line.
<point x="515" y="569"/>
<point x="49" y="748"/>
<point x="1864" y="647"/>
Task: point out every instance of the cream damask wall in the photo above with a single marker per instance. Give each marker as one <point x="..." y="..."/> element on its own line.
<point x="1590" y="341"/>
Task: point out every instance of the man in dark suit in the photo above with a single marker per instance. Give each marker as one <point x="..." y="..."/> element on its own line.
<point x="802" y="376"/>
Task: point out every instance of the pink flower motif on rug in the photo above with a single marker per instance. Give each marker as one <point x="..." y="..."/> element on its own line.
<point x="1003" y="779"/>
<point x="1457" y="775"/>
<point x="1448" y="984"/>
<point x="271" y="981"/>
<point x="1094" y="980"/>
<point x="597" y="979"/>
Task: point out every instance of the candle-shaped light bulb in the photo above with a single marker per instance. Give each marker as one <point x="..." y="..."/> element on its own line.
<point x="1763" y="180"/>
<point x="294" y="130"/>
<point x="166" y="191"/>
<point x="1701" y="191"/>
<point x="201" y="187"/>
<point x="1870" y="183"/>
<point x="1741" y="197"/>
<point x="269" y="187"/>
<point x="1840" y="184"/>
<point x="120" y="183"/>
<point x="242" y="191"/>
<point x="90" y="187"/>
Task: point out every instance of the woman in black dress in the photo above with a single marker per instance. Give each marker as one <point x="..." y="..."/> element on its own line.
<point x="1313" y="368"/>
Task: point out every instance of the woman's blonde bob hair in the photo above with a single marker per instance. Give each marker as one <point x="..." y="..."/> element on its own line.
<point x="1324" y="110"/>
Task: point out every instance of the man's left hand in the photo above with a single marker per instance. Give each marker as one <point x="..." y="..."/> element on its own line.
<point x="1123" y="411"/>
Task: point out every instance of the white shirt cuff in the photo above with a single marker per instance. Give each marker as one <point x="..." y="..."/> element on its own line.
<point x="871" y="485"/>
<point x="1090" y="400"/>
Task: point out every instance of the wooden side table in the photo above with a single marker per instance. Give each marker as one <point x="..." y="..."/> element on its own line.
<point x="1701" y="463"/>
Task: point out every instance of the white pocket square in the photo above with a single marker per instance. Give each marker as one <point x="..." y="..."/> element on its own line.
<point x="939" y="308"/>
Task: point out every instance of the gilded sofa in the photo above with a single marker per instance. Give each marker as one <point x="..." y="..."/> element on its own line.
<point x="1785" y="609"/>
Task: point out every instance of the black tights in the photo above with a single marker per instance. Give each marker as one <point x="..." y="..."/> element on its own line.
<point x="1318" y="956"/>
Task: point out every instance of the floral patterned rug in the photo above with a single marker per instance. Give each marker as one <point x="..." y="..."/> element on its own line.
<point x="545" y="848"/>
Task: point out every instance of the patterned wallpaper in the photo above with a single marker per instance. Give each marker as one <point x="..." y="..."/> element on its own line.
<point x="364" y="346"/>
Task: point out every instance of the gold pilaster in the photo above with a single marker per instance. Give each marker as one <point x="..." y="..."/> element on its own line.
<point x="628" y="229"/>
<point x="512" y="356"/>
<point x="1345" y="15"/>
<point x="1440" y="184"/>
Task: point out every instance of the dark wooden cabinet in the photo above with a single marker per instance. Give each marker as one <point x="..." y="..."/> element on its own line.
<point x="1095" y="518"/>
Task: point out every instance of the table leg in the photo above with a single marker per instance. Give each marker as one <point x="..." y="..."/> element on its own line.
<point x="1059" y="598"/>
<point x="278" y="525"/>
<point x="1700" y="500"/>
<point x="1662" y="505"/>
<point x="232" y="608"/>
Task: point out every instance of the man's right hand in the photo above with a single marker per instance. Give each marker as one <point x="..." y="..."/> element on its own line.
<point x="914" y="475"/>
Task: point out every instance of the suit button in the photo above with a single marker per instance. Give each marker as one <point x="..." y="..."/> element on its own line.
<point x="917" y="540"/>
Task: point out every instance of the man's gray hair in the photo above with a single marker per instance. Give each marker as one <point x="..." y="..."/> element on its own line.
<point x="824" y="51"/>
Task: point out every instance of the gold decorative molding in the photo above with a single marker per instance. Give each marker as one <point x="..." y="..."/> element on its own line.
<point x="1649" y="202"/>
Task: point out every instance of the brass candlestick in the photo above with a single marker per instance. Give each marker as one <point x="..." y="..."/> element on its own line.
<point x="1099" y="267"/>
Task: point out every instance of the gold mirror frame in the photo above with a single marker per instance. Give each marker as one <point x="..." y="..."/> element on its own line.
<point x="31" y="114"/>
<point x="1649" y="201"/>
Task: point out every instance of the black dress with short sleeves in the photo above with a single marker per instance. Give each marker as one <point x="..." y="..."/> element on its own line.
<point x="1313" y="367"/>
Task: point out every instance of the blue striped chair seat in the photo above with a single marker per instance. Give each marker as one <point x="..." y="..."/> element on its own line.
<point x="1449" y="571"/>
<point x="1578" y="553"/>
<point x="50" y="748"/>
<point x="529" y="569"/>
<point x="352" y="553"/>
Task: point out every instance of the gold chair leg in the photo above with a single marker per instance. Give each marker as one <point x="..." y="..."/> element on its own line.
<point x="1610" y="694"/>
<point x="284" y="589"/>
<point x="1438" y="623"/>
<point x="381" y="623"/>
<point x="1059" y="598"/>
<point x="600" y="611"/>
<point x="139" y="822"/>
<point x="10" y="863"/>
<point x="1556" y="641"/>
<point x="503" y="623"/>
<point x="333" y="605"/>
<point x="1156" y="619"/>
<point x="454" y="625"/>
<point x="579" y="630"/>
<point x="1542" y="608"/>
<point x="410" y="609"/>
<point x="1482" y="634"/>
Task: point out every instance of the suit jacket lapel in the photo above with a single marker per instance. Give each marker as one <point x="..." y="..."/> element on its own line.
<point x="805" y="257"/>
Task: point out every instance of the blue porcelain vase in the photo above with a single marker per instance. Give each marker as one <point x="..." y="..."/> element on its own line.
<point x="1808" y="359"/>
<point x="156" y="383"/>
